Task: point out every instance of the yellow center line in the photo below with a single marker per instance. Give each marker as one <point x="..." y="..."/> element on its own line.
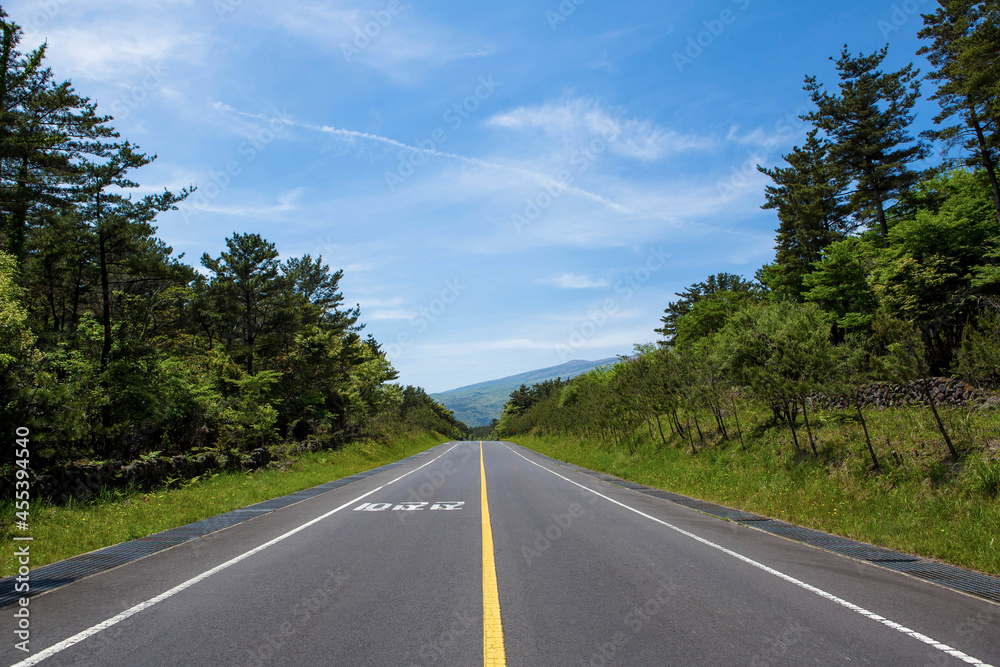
<point x="493" y="651"/>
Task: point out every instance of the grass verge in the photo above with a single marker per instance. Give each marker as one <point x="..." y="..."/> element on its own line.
<point x="948" y="516"/>
<point x="61" y="532"/>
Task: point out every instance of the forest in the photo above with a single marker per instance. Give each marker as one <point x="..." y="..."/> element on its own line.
<point x="886" y="272"/>
<point x="113" y="348"/>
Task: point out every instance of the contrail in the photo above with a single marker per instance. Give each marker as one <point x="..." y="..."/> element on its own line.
<point x="543" y="179"/>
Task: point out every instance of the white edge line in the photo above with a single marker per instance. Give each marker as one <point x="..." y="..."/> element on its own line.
<point x="104" y="625"/>
<point x="781" y="575"/>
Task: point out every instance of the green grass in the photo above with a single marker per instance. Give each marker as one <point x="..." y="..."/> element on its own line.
<point x="919" y="502"/>
<point x="63" y="532"/>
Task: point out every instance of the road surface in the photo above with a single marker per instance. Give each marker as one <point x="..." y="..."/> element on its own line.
<point x="392" y="570"/>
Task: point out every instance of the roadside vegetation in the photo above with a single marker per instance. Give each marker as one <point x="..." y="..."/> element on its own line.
<point x="769" y="393"/>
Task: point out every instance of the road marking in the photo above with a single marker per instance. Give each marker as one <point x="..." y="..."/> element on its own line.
<point x="114" y="620"/>
<point x="411" y="506"/>
<point x="944" y="648"/>
<point x="493" y="650"/>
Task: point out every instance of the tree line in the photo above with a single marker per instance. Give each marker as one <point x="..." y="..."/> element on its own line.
<point x="882" y="271"/>
<point x="112" y="347"/>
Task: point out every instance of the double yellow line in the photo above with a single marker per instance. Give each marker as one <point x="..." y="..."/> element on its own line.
<point x="493" y="651"/>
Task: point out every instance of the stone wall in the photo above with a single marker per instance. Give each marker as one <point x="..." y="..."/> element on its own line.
<point x="945" y="391"/>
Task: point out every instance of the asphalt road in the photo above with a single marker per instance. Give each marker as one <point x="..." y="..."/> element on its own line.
<point x="391" y="570"/>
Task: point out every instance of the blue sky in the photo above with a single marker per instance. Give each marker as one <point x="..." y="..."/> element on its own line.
<point x="507" y="185"/>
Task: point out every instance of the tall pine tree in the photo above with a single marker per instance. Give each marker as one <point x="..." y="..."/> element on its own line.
<point x="961" y="32"/>
<point x="807" y="196"/>
<point x="868" y="124"/>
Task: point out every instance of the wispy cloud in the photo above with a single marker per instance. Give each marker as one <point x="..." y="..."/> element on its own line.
<point x="401" y="43"/>
<point x="104" y="46"/>
<point x="286" y="201"/>
<point x="576" y="121"/>
<point x="391" y="314"/>
<point x="574" y="281"/>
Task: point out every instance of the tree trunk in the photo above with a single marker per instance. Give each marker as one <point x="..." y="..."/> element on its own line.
<point x="680" y="428"/>
<point x="868" y="440"/>
<point x="986" y="159"/>
<point x="739" y="430"/>
<point x="105" y="300"/>
<point x="924" y="384"/>
<point x="701" y="436"/>
<point x="691" y="437"/>
<point x="791" y="427"/>
<point x="659" y="427"/>
<point x="106" y="322"/>
<point x="805" y="417"/>
<point x="879" y="205"/>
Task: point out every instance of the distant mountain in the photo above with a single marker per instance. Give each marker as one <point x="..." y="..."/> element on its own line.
<point x="478" y="404"/>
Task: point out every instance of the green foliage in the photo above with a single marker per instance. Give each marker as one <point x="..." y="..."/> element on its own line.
<point x="840" y="283"/>
<point x="978" y="357"/>
<point x="926" y="276"/>
<point x="248" y="419"/>
<point x="721" y="282"/>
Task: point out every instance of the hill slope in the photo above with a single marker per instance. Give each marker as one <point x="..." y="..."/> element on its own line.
<point x="477" y="404"/>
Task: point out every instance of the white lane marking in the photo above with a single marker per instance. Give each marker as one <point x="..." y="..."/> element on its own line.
<point x="91" y="631"/>
<point x="781" y="575"/>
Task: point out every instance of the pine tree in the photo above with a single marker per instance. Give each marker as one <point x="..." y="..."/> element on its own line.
<point x="961" y="32"/>
<point x="46" y="132"/>
<point x="720" y="282"/>
<point x="868" y="124"/>
<point x="807" y="196"/>
<point x="247" y="287"/>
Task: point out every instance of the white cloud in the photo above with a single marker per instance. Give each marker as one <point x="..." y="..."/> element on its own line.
<point x="579" y="121"/>
<point x="400" y="44"/>
<point x="380" y="303"/>
<point x="287" y="201"/>
<point x="574" y="281"/>
<point x="106" y="48"/>
<point x="391" y="314"/>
